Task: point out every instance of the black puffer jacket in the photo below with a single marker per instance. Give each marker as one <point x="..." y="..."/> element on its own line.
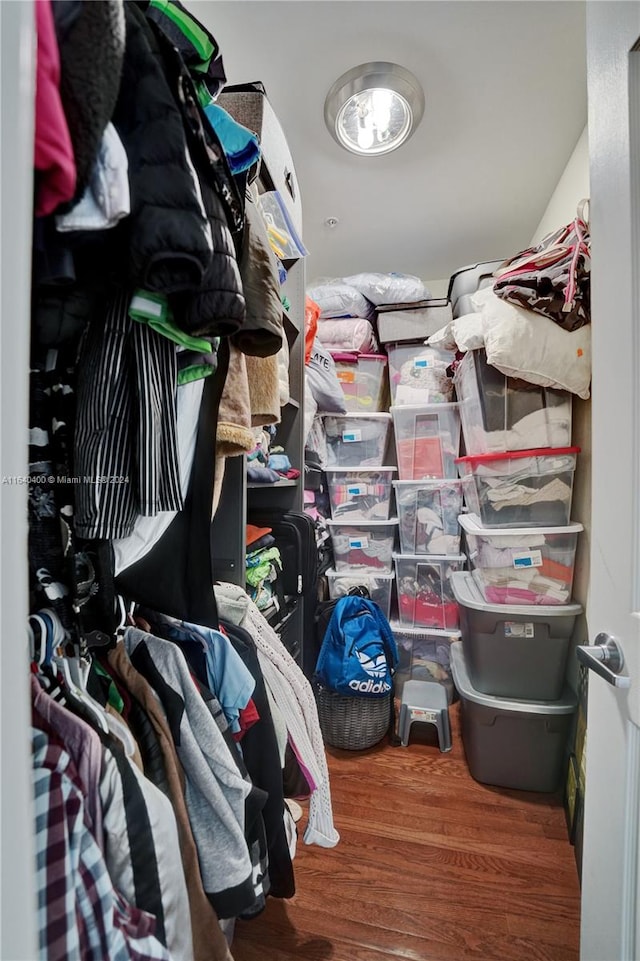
<point x="218" y="307"/>
<point x="168" y="245"/>
<point x="91" y="39"/>
<point x="196" y="45"/>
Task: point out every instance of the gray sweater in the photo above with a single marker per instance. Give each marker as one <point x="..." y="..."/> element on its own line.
<point x="215" y="791"/>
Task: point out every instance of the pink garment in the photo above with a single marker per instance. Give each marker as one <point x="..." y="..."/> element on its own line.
<point x="518" y="595"/>
<point x="53" y="153"/>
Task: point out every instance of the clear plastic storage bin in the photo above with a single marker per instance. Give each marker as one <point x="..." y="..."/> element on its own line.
<point x="367" y="544"/>
<point x="418" y="374"/>
<point x="526" y="565"/>
<point x="362" y="378"/>
<point x="378" y="583"/>
<point x="425" y="595"/>
<point x="529" y="488"/>
<point x="512" y="650"/>
<point x="356" y="440"/>
<point x="423" y="655"/>
<point x="518" y="744"/>
<point x="500" y="413"/>
<point x="428" y="516"/>
<point x="427" y="440"/>
<point x="360" y="494"/>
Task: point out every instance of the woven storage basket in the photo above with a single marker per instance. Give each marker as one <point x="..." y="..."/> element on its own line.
<point x="352" y="723"/>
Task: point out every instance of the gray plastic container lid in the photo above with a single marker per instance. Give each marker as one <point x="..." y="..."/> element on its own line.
<point x="467" y="593"/>
<point x="565" y="705"/>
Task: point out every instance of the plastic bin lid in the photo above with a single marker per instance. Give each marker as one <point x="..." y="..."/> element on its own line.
<point x="337" y="522"/>
<point x="353" y="356"/>
<point x="514" y="454"/>
<point x="565" y="705"/>
<point x="423" y="408"/>
<point x="399" y="628"/>
<point x="468" y="594"/>
<point x="361" y="572"/>
<point x="358" y="470"/>
<point x="429" y="482"/>
<point x="428" y="558"/>
<point x="360" y="414"/>
<point x="471" y="524"/>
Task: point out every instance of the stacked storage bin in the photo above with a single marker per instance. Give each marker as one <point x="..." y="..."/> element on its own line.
<point x="428" y="498"/>
<point x="516" y="613"/>
<point x="362" y="533"/>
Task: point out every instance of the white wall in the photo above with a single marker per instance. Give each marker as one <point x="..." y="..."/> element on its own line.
<point x="438" y="288"/>
<point x="17" y="876"/>
<point x="570" y="189"/>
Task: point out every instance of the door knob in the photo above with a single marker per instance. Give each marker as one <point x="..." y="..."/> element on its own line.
<point x="605" y="657"/>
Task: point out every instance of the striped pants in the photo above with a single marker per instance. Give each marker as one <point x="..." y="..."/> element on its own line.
<point x="125" y="446"/>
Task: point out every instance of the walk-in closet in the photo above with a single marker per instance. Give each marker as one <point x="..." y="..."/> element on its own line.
<point x="320" y="570"/>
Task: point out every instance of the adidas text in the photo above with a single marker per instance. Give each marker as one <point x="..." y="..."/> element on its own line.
<point x="370" y="687"/>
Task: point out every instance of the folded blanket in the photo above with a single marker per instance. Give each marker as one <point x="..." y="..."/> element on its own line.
<point x="347" y="333"/>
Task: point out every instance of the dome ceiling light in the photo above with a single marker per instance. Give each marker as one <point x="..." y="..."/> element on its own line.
<point x="373" y="108"/>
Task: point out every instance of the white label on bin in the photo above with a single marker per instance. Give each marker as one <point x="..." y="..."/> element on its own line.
<point x="356" y="491"/>
<point x="358" y="543"/>
<point x="350" y="436"/>
<point x="422" y="362"/>
<point x="527" y="559"/>
<point x="419" y="714"/>
<point x="519" y="629"/>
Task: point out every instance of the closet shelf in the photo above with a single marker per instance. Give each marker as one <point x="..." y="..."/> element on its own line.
<point x="285" y="482"/>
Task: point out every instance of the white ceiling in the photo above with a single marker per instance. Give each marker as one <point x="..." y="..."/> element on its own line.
<point x="506" y="102"/>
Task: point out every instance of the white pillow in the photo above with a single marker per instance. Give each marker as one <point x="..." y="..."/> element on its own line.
<point x="481" y="297"/>
<point x="463" y="333"/>
<point x="468" y="331"/>
<point x="389" y="288"/>
<point x="443" y="339"/>
<point x="521" y="343"/>
<point x="340" y="300"/>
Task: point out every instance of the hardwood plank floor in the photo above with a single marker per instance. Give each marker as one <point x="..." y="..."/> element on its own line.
<point x="431" y="866"/>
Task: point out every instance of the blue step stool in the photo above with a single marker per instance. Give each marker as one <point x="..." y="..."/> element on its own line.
<point x="425" y="701"/>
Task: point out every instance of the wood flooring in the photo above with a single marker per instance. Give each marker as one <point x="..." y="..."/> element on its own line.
<point x="431" y="866"/>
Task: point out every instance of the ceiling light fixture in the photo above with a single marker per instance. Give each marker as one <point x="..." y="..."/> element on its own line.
<point x="373" y="108"/>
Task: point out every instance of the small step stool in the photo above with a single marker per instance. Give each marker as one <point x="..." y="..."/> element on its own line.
<point x="425" y="701"/>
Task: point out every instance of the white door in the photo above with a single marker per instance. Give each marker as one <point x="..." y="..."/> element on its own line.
<point x="610" y="915"/>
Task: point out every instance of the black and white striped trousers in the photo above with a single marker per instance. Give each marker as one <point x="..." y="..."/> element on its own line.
<point x="125" y="445"/>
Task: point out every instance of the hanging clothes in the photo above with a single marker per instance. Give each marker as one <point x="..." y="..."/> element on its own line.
<point x="126" y="455"/>
<point x="208" y="940"/>
<point x="294" y="697"/>
<point x="81" y="916"/>
<point x="214" y="791"/>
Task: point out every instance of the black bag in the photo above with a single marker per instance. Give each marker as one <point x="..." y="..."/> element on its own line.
<point x="295" y="538"/>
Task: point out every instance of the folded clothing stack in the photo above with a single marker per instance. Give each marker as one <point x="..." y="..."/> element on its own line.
<point x="522" y="565"/>
<point x="263" y="567"/>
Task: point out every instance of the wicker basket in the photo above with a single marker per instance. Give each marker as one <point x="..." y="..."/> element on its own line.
<point x="352" y="723"/>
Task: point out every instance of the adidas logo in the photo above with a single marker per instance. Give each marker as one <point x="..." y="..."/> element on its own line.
<point x="375" y="666"/>
<point x="370" y="687"/>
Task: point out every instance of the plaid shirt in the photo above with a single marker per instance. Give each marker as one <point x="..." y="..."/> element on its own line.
<point x="81" y="917"/>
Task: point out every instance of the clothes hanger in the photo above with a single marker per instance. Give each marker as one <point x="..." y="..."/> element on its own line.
<point x="66" y="666"/>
